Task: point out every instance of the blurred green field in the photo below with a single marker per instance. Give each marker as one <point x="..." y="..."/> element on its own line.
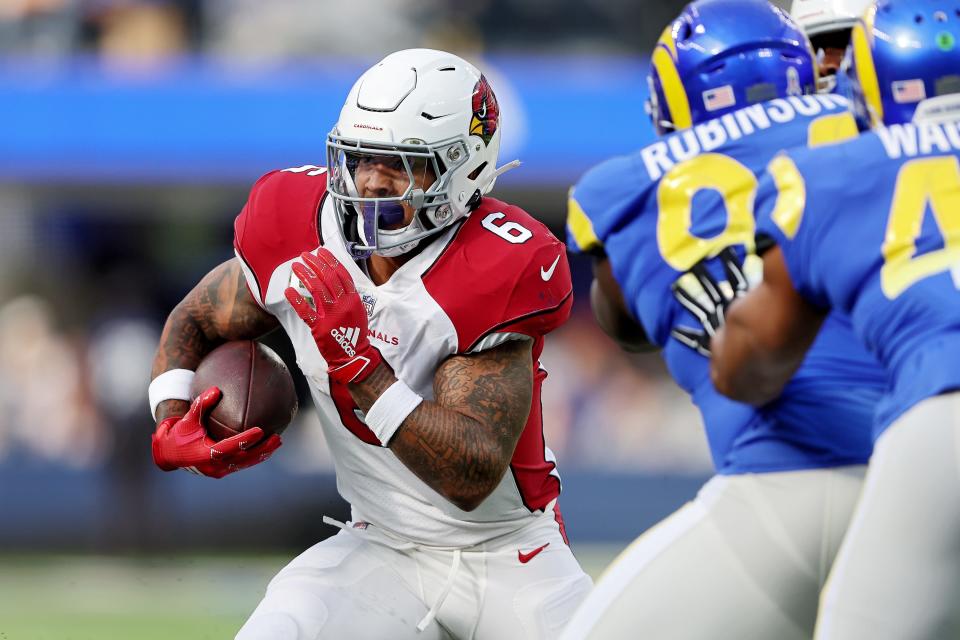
<point x="46" y="597"/>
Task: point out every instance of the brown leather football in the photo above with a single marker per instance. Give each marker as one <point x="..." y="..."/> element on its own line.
<point x="256" y="385"/>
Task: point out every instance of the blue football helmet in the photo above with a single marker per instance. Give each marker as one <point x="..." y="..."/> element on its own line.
<point x="722" y="55"/>
<point x="904" y="58"/>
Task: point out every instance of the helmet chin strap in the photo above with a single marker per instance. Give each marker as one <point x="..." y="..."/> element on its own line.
<point x="416" y="201"/>
<point x="398" y="250"/>
<point x="395" y="234"/>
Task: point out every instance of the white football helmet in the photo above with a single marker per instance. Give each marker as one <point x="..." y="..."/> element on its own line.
<point x="828" y="24"/>
<point x="822" y="16"/>
<point x="420" y="109"/>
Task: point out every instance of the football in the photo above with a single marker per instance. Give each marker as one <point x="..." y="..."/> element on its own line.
<point x="257" y="389"/>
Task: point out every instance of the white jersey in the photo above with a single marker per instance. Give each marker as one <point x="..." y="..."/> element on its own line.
<point x="496" y="276"/>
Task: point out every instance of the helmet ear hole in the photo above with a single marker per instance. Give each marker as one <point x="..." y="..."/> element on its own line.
<point x="425" y="220"/>
<point x="441" y="166"/>
<point x="474" y="200"/>
<point x="476" y="172"/>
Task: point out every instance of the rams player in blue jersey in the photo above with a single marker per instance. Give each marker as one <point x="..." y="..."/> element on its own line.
<point x="871" y="227"/>
<point x="732" y="82"/>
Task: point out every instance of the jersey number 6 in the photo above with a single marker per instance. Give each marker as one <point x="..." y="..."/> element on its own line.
<point x="510" y="231"/>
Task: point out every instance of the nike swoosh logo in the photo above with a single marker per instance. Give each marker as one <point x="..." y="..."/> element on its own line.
<point x="546" y="274"/>
<point x="527" y="557"/>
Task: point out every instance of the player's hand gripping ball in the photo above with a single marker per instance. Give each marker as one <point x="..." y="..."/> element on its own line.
<point x="257" y="389"/>
<point x="183" y="443"/>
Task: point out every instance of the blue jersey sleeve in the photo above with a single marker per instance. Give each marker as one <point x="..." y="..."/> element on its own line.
<point x="683" y="199"/>
<point x="599" y="203"/>
<point x="784" y="218"/>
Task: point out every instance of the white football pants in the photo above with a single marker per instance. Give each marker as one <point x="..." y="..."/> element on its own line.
<point x="365" y="584"/>
<point x="745" y="560"/>
<point x="897" y="575"/>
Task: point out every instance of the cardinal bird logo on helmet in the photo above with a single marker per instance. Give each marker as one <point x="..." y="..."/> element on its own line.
<point x="486" y="111"/>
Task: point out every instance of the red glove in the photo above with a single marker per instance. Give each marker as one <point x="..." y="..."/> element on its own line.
<point x="182" y="442"/>
<point x="339" y="321"/>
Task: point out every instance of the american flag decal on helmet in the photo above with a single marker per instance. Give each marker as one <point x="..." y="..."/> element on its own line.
<point x="719" y="98"/>
<point x="909" y="91"/>
<point x="486" y="111"/>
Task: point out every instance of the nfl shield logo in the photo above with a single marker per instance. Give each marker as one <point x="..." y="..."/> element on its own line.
<point x="369" y="302"/>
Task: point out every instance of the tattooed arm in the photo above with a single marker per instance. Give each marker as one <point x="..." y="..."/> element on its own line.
<point x="461" y="443"/>
<point x="218" y="309"/>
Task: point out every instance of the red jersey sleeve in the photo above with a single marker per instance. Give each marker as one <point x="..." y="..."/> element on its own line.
<point x="278" y="222"/>
<point x="504" y="272"/>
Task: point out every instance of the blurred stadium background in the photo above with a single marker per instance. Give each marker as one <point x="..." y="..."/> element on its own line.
<point x="130" y="131"/>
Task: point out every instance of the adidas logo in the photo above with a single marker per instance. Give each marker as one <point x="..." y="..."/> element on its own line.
<point x="347" y="338"/>
<point x="351" y="334"/>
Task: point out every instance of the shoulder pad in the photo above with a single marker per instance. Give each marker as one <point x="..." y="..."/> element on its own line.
<point x="600" y="199"/>
<point x="279" y="222"/>
<point x="503" y="272"/>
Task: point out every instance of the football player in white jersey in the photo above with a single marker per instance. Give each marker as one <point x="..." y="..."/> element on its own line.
<point x="828" y="24"/>
<point x="417" y="306"/>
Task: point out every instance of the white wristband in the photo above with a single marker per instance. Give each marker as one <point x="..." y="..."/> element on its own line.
<point x="170" y="385"/>
<point x="391" y="409"/>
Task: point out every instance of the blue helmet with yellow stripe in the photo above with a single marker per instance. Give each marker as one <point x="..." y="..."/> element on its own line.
<point x="905" y="55"/>
<point x="722" y="55"/>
